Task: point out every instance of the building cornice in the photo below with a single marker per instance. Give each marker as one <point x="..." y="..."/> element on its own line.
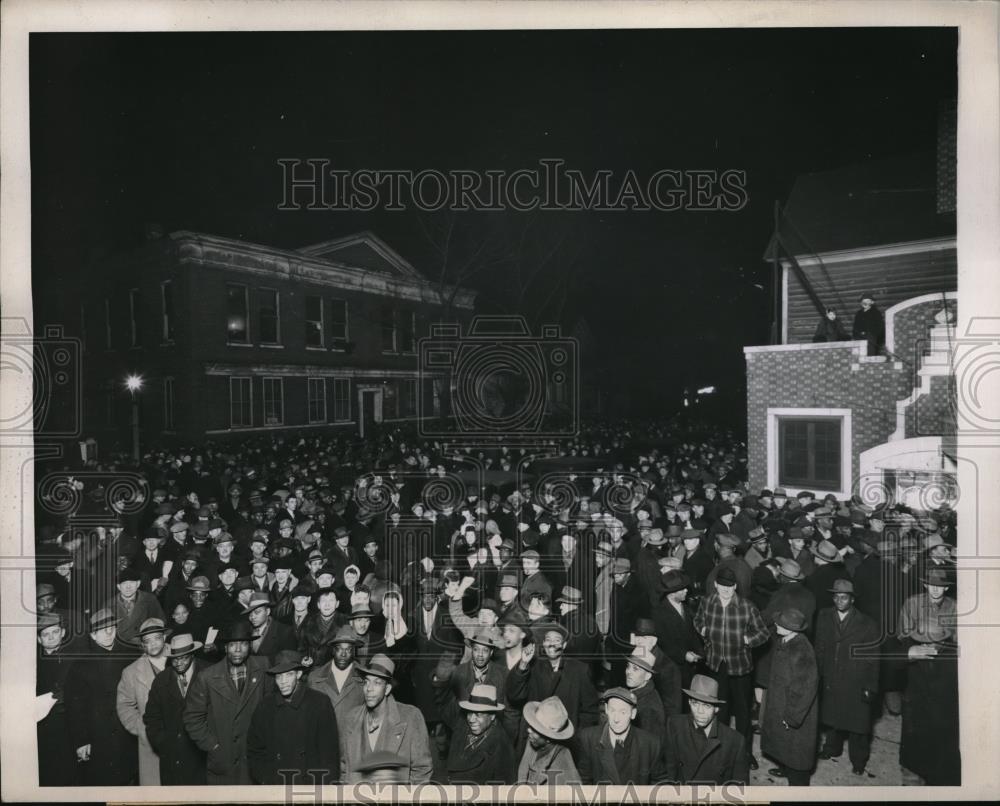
<point x="875" y="252"/>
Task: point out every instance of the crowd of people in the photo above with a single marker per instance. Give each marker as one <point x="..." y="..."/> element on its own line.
<point x="617" y="608"/>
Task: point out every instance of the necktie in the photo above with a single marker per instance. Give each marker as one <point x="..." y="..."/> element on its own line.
<point x="182" y="679"/>
<point x="240" y="682"/>
<point x="152" y="556"/>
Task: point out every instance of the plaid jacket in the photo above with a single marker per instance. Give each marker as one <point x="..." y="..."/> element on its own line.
<point x="725" y="629"/>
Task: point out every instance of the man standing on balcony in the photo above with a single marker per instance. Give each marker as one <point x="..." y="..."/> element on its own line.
<point x="869" y="324"/>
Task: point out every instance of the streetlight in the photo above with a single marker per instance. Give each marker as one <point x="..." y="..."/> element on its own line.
<point x="134" y="384"/>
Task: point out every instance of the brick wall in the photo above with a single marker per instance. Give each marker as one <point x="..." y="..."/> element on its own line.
<point x="809" y="376"/>
<point x="912" y="331"/>
<point x="933" y="414"/>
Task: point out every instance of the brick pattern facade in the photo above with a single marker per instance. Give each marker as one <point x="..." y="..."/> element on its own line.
<point x="933" y="414"/>
<point x="912" y="330"/>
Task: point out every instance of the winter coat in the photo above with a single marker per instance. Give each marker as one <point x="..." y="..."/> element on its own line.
<point x="57" y="764"/>
<point x="343" y="700"/>
<point x="404" y="732"/>
<point x="182" y="762"/>
<point x="718" y="759"/>
<point x="133" y="692"/>
<point x="292" y="740"/>
<point x="844" y="676"/>
<point x="555" y="769"/>
<point x="642" y="764"/>
<point x="792" y="692"/>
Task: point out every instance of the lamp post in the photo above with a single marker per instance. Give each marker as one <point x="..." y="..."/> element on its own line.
<point x="134" y="384"/>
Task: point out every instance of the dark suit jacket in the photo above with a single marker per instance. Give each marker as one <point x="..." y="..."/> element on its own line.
<point x="571" y="684"/>
<point x="643" y="763"/>
<point x="182" y="762"/>
<point x="218" y="717"/>
<point x="676" y="636"/>
<point x="492" y="761"/>
<point x="721" y="759"/>
<point x="344" y="699"/>
<point x="278" y="637"/>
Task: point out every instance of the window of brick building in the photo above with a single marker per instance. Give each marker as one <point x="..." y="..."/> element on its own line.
<point x="339" y="325"/>
<point x="274" y="401"/>
<point x="168" y="404"/>
<point x="341" y="399"/>
<point x="240" y="403"/>
<point x="317" y="400"/>
<point x="269" y="316"/>
<point x="809" y="452"/>
<point x="388" y="329"/>
<point x="314" y="321"/>
<point x="237" y="316"/>
<point x="167" y="310"/>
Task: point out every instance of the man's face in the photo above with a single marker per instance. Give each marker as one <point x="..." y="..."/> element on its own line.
<point x="105" y="637"/>
<point x="602" y="559"/>
<point x="936" y="592"/>
<point x="507" y="594"/>
<point x="537" y="741"/>
<point x="866" y="304"/>
<point x="620" y="714"/>
<point x="553" y="645"/>
<point x="634" y="676"/>
<point x="512" y="636"/>
<point x="51" y="637"/>
<point x="300" y="603"/>
<point x="530" y="564"/>
<point x="487" y="617"/>
<point x="46" y="602"/>
<point x="281" y="575"/>
<point x="258" y="616"/>
<point x="479" y="722"/>
<point x="228" y="577"/>
<point x="128" y="589"/>
<point x="361" y="625"/>
<point x="842" y="601"/>
<point x="152" y="644"/>
<point x="224" y="550"/>
<point x="702" y="712"/>
<point x="678" y="596"/>
<point x="796" y="544"/>
<point x="237" y="652"/>
<point x="375" y="690"/>
<point x="181" y="663"/>
<point x="198" y="597"/>
<point x="725" y="591"/>
<point x="151" y="543"/>
<point x="429" y="600"/>
<point x="371" y="549"/>
<point x="286" y="681"/>
<point x="343" y="655"/>
<point x="620" y="579"/>
<point x="327" y="604"/>
<point x="481" y="655"/>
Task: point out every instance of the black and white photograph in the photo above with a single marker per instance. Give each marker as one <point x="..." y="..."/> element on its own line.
<point x="499" y="401"/>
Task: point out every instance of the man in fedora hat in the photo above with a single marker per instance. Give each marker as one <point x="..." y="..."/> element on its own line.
<point x="107" y="752"/>
<point x="699" y="748"/>
<point x="790" y="719"/>
<point x="760" y="547"/>
<point x="534" y="580"/>
<point x="647" y="565"/>
<point x="869" y="324"/>
<point x="57" y="761"/>
<point x="508" y="592"/>
<point x="481" y="751"/>
<point x="221" y="702"/>
<point x="639" y="674"/>
<point x="435" y="634"/>
<point x="383" y="724"/>
<point x="673" y="621"/>
<point x="544" y="671"/>
<point x="293" y="737"/>
<point x="181" y="761"/>
<point x="133" y="693"/>
<point x="322" y="624"/>
<point x="731" y="627"/>
<point x="929" y="745"/>
<point x="270" y="636"/>
<point x="830" y="567"/>
<point x="132" y="607"/>
<point x="725" y="549"/>
<point x="547" y="760"/>
<point x="620" y="752"/>
<point x="583" y="638"/>
<point x="846" y="640"/>
<point x="481" y="667"/>
<point x="339" y="679"/>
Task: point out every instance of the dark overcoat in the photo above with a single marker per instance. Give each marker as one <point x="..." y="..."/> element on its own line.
<point x="182" y="762"/>
<point x="929" y="742"/>
<point x="297" y="736"/>
<point x="218" y="717"/>
<point x="279" y="636"/>
<point x="642" y="764"/>
<point x="721" y="758"/>
<point x="676" y="636"/>
<point x="343" y="699"/>
<point x="792" y="691"/>
<point x="57" y="764"/>
<point x="844" y="671"/>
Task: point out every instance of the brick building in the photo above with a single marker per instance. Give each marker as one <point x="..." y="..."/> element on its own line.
<point x="827" y="416"/>
<point x="236" y="338"/>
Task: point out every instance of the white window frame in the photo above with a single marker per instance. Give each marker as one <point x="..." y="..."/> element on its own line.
<point x="277" y="316"/>
<point x="322" y="322"/>
<point x="132" y="294"/>
<point x="246" y="318"/>
<point x="347" y="417"/>
<point x="347" y="324"/>
<point x="165" y="317"/>
<point x="409" y="394"/>
<point x="846" y="455"/>
<point x="321" y="382"/>
<point x="249" y="383"/>
<point x="168" y="404"/>
<point x="265" y="381"/>
<point x="395" y="332"/>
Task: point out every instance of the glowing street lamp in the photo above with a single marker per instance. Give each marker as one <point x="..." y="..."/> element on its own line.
<point x="134" y="384"/>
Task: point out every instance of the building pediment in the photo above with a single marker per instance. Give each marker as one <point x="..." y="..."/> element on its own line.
<point x="364" y="250"/>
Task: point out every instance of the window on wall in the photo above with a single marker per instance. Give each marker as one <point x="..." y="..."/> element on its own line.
<point x="407" y="331"/>
<point x="339" y="330"/>
<point x="168" y="404"/>
<point x="240" y="403"/>
<point x="167" y="310"/>
<point x="135" y="317"/>
<point x="390" y="400"/>
<point x="237" y="319"/>
<point x="268" y="313"/>
<point x="809" y="452"/>
<point x="314" y="322"/>
<point x="388" y="329"/>
<point x="274" y="400"/>
<point x="408" y="398"/>
<point x="317" y="400"/>
<point x="341" y="399"/>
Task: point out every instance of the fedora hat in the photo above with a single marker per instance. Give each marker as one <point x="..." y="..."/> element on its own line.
<point x="728" y="540"/>
<point x="841" y="586"/>
<point x="644" y="626"/>
<point x="691" y="534"/>
<point x="790" y="569"/>
<point x="257" y="599"/>
<point x="704" y="689"/>
<point x="345" y="635"/>
<point x="183" y="644"/>
<point x="549" y="718"/>
<point x="668" y="564"/>
<point x="509" y="581"/>
<point x="150" y="626"/>
<point x="674" y="581"/>
<point x="726" y="576"/>
<point x="286" y="660"/>
<point x="540" y="628"/>
<point x="199" y="584"/>
<point x="656" y="537"/>
<point x="621" y="565"/>
<point x="381" y="760"/>
<point x="642" y="658"/>
<point x="101" y="619"/>
<point x="380" y="666"/>
<point x="826" y="550"/>
<point x="937" y="576"/>
<point x="791" y="619"/>
<point x="358" y="611"/>
<point x="482" y="698"/>
<point x="486" y="636"/>
<point x="128" y="575"/>
<point x="570" y="596"/>
<point x="236" y="631"/>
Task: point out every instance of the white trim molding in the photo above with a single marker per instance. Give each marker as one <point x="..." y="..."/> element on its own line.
<point x="867" y="253"/>
<point x="890" y="314"/>
<point x="846" y="450"/>
<point x="919" y="454"/>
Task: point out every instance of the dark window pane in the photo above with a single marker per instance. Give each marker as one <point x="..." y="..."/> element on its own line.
<point x="236" y="313"/>
<point x="338" y="323"/>
<point x="314" y="322"/>
<point x="268" y="313"/>
<point x="809" y="453"/>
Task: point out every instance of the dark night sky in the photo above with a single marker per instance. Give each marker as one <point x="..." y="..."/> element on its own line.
<point x="186" y="129"/>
